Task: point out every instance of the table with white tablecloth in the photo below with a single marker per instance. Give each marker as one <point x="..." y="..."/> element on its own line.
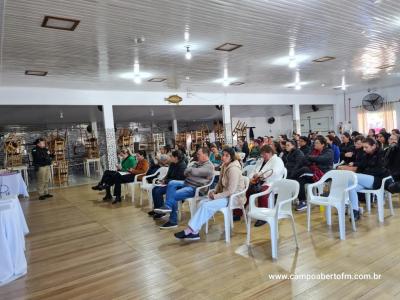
<point x="13" y="228"/>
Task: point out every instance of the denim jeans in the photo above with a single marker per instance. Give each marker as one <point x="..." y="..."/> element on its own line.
<point x="364" y="182"/>
<point x="177" y="191"/>
<point x="158" y="193"/>
<point x="206" y="210"/>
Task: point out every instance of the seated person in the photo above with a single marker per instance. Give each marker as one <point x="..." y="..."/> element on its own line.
<point x="294" y="159"/>
<point x="346" y="146"/>
<point x="128" y="161"/>
<point x="356" y="156"/>
<point x="317" y="164"/>
<point x="255" y="150"/>
<point x="215" y="156"/>
<point x="267" y="170"/>
<point x="392" y="162"/>
<point x="161" y="161"/>
<point x="383" y="139"/>
<point x="198" y="174"/>
<point x="370" y="172"/>
<point x="335" y="148"/>
<point x="230" y="182"/>
<point x="175" y="172"/>
<point x="304" y="144"/>
<point x="141" y="168"/>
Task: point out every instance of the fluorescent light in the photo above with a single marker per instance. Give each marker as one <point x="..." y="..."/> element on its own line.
<point x="237" y="83"/>
<point x="35" y="73"/>
<point x="297" y="87"/>
<point x="228" y="47"/>
<point x="343" y="86"/>
<point x="156" y="79"/>
<point x="187" y="36"/>
<point x="60" y="23"/>
<point x="324" y="59"/>
<point x="188" y="54"/>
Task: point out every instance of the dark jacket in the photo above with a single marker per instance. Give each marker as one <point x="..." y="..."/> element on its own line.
<point x="175" y="171"/>
<point x="324" y="161"/>
<point x="293" y="160"/>
<point x="392" y="161"/>
<point x="373" y="164"/>
<point x="358" y="156"/>
<point x="245" y="150"/>
<point x="41" y="157"/>
<point x="344" y="148"/>
<point x="306" y="149"/>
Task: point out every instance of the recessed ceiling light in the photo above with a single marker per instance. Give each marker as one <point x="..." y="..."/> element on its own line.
<point x="228" y="47"/>
<point x="323" y="84"/>
<point x="324" y="59"/>
<point x="236" y="83"/>
<point x="187" y="77"/>
<point x="36" y="73"/>
<point x="385" y="67"/>
<point x="157" y="79"/>
<point x="60" y="23"/>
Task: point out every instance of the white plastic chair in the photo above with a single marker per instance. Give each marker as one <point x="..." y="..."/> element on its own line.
<point x="342" y="182"/>
<point x="227" y="211"/>
<point x="130" y="187"/>
<point x="380" y="196"/>
<point x="248" y="170"/>
<point x="242" y="155"/>
<point x="284" y="175"/>
<point x="287" y="191"/>
<point x="338" y="164"/>
<point x="148" y="187"/>
<point x="194" y="200"/>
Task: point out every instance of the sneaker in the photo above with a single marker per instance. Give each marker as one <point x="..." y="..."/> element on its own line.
<point x="151" y="213"/>
<point x="259" y="223"/>
<point x="157" y="216"/>
<point x="163" y="210"/>
<point x="189" y="237"/>
<point x="356" y="214"/>
<point x="107" y="198"/>
<point x="301" y="206"/>
<point x="117" y="200"/>
<point x="168" y="225"/>
<point x="48" y="195"/>
<point x="96" y="187"/>
<point x="42" y="197"/>
<point x="236" y="218"/>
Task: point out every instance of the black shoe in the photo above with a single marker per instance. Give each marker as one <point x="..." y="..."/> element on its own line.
<point x="394" y="188"/>
<point x="356" y="214"/>
<point x="168" y="225"/>
<point x="301" y="206"/>
<point x="107" y="198"/>
<point x="259" y="223"/>
<point x="96" y="187"/>
<point x="157" y="216"/>
<point x="151" y="213"/>
<point x="188" y="237"/>
<point x="42" y="197"/>
<point x="236" y="218"/>
<point x="48" y="195"/>
<point x="163" y="210"/>
<point x="117" y="200"/>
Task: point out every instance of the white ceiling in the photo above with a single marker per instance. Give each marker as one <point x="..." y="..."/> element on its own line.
<point x="362" y="34"/>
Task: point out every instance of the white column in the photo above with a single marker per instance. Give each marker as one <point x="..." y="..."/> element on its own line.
<point x="296" y="118"/>
<point x="94" y="129"/>
<point x="175" y="127"/>
<point x="110" y="136"/>
<point x="226" y="116"/>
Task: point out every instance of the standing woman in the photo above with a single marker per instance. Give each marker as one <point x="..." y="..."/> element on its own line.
<point x="370" y="172"/>
<point x="230" y="182"/>
<point x="128" y="161"/>
<point x="41" y="162"/>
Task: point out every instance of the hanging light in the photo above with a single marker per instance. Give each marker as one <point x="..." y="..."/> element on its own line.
<point x="292" y="59"/>
<point x="343" y="86"/>
<point x="297" y="82"/>
<point x="188" y="54"/>
<point x="136" y="73"/>
<point x="225" y="81"/>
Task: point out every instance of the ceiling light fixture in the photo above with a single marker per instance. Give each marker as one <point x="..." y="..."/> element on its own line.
<point x="292" y="59"/>
<point x="228" y="47"/>
<point x="60" y="23"/>
<point x="188" y="54"/>
<point x="187" y="36"/>
<point x="324" y="59"/>
<point x="136" y="71"/>
<point x="297" y="83"/>
<point x="237" y="83"/>
<point x="157" y="79"/>
<point x="386" y="67"/>
<point x="343" y="85"/>
<point x="35" y="73"/>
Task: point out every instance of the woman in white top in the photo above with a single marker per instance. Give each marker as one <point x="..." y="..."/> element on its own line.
<point x="268" y="169"/>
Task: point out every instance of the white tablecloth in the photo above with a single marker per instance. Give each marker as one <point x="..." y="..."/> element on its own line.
<point x="13" y="228"/>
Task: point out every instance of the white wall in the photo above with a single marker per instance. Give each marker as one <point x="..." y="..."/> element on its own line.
<point x="320" y="115"/>
<point x="389" y="94"/>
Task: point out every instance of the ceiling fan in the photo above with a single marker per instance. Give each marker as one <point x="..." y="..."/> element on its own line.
<point x="372" y="102"/>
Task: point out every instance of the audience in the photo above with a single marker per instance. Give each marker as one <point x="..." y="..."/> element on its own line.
<point x="294" y="159"/>
<point x="128" y="161"/>
<point x="356" y="156"/>
<point x="215" y="156"/>
<point x="268" y="169"/>
<point x="141" y="168"/>
<point x="392" y="157"/>
<point x="255" y="150"/>
<point x="383" y="140"/>
<point x="198" y="174"/>
<point x="335" y="148"/>
<point x="370" y="172"/>
<point x="230" y="182"/>
<point x="317" y="164"/>
<point x="175" y="172"/>
<point x="304" y="144"/>
<point x="347" y="146"/>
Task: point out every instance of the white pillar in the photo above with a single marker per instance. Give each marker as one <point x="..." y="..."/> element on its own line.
<point x="110" y="136"/>
<point x="226" y="115"/>
<point x="296" y="118"/>
<point x="94" y="129"/>
<point x="175" y="127"/>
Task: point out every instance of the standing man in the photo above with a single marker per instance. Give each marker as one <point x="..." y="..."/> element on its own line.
<point x="41" y="162"/>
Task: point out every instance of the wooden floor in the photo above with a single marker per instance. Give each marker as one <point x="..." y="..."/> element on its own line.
<point x="81" y="248"/>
